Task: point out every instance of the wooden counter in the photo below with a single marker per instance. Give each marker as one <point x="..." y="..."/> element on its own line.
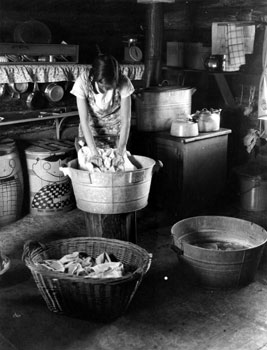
<point x="37" y="116"/>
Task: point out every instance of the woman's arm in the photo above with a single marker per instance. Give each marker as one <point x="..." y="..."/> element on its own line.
<point x="83" y="114"/>
<point x="125" y="111"/>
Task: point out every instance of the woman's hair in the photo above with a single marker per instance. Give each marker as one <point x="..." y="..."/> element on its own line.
<point x="105" y="70"/>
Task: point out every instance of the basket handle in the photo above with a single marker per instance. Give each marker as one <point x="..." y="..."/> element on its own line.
<point x="30" y="249"/>
<point x="140" y="271"/>
<point x="149" y="262"/>
<point x="140" y="279"/>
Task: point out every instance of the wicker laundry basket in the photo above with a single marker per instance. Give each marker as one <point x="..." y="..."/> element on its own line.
<point x="101" y="299"/>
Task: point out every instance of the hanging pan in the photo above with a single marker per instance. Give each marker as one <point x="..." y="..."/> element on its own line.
<point x="18" y="87"/>
<point x="54" y="92"/>
<point x="35" y="99"/>
<point x="2" y="89"/>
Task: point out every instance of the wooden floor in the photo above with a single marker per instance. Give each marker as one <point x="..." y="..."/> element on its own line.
<point x="167" y="311"/>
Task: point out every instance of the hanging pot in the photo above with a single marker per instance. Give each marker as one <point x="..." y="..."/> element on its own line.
<point x="19" y="87"/>
<point x="54" y="92"/>
<point x="35" y="99"/>
<point x="2" y="89"/>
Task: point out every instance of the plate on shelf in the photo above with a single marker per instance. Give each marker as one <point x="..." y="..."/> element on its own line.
<point x="32" y="32"/>
<point x="13" y="58"/>
<point x="26" y="58"/>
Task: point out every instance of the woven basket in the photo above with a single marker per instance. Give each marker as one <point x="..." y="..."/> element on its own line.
<point x="4" y="264"/>
<point x="102" y="299"/>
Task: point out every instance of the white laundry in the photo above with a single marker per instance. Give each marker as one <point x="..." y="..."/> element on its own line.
<point x="80" y="264"/>
<point x="108" y="155"/>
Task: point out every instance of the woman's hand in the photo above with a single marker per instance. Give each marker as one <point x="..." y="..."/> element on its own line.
<point x="96" y="160"/>
<point x="118" y="160"/>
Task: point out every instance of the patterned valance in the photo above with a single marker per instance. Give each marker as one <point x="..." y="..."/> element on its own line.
<point x="23" y="73"/>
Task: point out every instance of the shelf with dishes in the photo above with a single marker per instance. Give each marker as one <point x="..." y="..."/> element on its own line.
<point x="18" y="53"/>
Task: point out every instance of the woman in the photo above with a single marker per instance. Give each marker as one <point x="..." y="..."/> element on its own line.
<point x="104" y="106"/>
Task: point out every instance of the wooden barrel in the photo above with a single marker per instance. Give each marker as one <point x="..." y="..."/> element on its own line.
<point x="50" y="191"/>
<point x="11" y="182"/>
<point x="115" y="226"/>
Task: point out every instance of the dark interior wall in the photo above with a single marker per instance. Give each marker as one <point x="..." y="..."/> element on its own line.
<point x="106" y="22"/>
<point x="88" y="23"/>
<point x="190" y="21"/>
<point x="193" y="19"/>
<point x="85" y="23"/>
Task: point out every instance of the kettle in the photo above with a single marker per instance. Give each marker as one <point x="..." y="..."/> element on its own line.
<point x="212" y="63"/>
<point x="208" y="120"/>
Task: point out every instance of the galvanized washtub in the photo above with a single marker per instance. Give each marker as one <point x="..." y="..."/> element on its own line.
<point x="112" y="193"/>
<point x="197" y="242"/>
<point x="157" y="107"/>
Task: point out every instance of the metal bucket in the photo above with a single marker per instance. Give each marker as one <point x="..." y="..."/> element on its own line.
<point x="112" y="193"/>
<point x="217" y="268"/>
<point x="253" y="193"/>
<point x="11" y="183"/>
<point x="253" y="187"/>
<point x="157" y="107"/>
<point x="54" y="92"/>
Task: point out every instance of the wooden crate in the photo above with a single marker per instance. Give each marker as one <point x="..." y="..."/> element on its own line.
<point x="59" y="51"/>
